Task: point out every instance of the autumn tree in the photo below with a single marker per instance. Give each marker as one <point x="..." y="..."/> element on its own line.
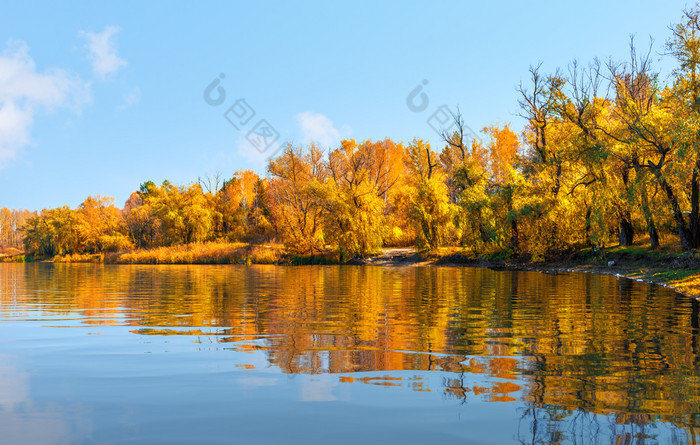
<point x="262" y="221"/>
<point x="296" y="206"/>
<point x="101" y="226"/>
<point x="354" y="196"/>
<point x="663" y="131"/>
<point x="52" y="232"/>
<point x="142" y="224"/>
<point x="684" y="46"/>
<point x="11" y="222"/>
<point x="424" y="197"/>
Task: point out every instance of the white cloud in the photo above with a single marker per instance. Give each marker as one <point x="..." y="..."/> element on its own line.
<point x="103" y="53"/>
<point x="131" y="98"/>
<point x="316" y="127"/>
<point x="24" y="91"/>
<point x="14" y="130"/>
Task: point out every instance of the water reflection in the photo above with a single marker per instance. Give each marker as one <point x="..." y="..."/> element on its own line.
<point x="50" y="426"/>
<point x="580" y="353"/>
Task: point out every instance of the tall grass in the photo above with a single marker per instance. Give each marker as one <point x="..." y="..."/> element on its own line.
<point x="80" y="258"/>
<point x="201" y="253"/>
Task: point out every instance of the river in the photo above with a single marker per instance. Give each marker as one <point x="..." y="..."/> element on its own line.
<point x="342" y="354"/>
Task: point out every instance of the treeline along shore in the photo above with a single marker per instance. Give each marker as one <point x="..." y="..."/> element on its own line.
<point x="610" y="156"/>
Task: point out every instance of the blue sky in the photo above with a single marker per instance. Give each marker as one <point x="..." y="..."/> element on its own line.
<point x="96" y="98"/>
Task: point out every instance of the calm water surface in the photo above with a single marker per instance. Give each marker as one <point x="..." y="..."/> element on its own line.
<point x="342" y="354"/>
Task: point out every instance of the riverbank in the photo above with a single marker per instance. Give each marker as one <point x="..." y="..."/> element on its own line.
<point x="666" y="266"/>
<point x="11" y="254"/>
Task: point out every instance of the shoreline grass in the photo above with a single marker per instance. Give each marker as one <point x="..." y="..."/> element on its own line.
<point x="201" y="253"/>
<point x="80" y="258"/>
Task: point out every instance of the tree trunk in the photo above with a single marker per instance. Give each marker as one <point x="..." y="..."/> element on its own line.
<point x="514" y="243"/>
<point x="653" y="234"/>
<point x="588" y="225"/>
<point x="626" y="230"/>
<point x="651" y="226"/>
<point x="695" y="207"/>
<point x="683" y="230"/>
